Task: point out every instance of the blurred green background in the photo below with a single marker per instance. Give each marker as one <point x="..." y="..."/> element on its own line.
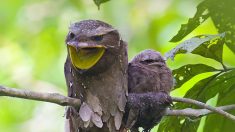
<point x="32" y="48"/>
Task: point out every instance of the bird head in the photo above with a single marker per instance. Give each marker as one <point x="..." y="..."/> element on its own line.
<point x="149" y="57"/>
<point x="88" y="41"/>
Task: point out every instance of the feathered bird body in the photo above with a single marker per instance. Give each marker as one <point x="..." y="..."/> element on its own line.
<point x="149" y="84"/>
<point x="101" y="84"/>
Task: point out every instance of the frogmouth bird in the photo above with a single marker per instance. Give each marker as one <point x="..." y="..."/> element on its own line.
<point x="149" y="84"/>
<point x="96" y="73"/>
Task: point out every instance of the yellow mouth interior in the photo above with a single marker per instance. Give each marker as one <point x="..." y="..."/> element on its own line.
<point x="85" y="58"/>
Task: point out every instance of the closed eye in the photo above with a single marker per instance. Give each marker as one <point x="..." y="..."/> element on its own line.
<point x="97" y="38"/>
<point x="148" y="61"/>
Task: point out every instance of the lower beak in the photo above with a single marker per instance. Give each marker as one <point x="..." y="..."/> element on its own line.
<point x="84" y="56"/>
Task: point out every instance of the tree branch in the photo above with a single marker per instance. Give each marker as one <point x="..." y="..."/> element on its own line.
<point x="196" y="112"/>
<point x="205" y="106"/>
<point x="67" y="101"/>
<point x="46" y="97"/>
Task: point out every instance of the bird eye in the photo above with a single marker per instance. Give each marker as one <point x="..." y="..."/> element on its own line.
<point x="97" y="38"/>
<point x="71" y="35"/>
<point x="147" y="61"/>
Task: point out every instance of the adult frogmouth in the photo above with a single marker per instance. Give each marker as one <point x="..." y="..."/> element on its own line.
<point x="96" y="73"/>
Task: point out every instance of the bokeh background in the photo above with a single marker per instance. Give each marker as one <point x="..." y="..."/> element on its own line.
<point x="32" y="48"/>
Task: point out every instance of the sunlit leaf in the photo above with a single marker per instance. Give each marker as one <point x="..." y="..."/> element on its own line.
<point x="225" y="98"/>
<point x="202" y="91"/>
<point x="200" y="16"/>
<point x="222" y="14"/>
<point x="211" y="49"/>
<point x="195" y="43"/>
<point x="186" y="72"/>
<point x="195" y="91"/>
<point x="99" y="2"/>
<point x="211" y="86"/>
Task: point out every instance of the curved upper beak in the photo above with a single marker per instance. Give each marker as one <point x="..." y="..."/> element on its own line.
<point x="81" y="45"/>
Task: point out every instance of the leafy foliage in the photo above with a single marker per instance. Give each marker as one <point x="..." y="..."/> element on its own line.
<point x="203" y="91"/>
<point x="221" y="14"/>
<point x="201" y="15"/>
<point x="185" y="73"/>
<point x="99" y="2"/>
<point x="171" y="124"/>
<point x="225" y="98"/>
<point x="212" y="49"/>
<point x="222" y="82"/>
<point x="215" y="84"/>
<point x="198" y="45"/>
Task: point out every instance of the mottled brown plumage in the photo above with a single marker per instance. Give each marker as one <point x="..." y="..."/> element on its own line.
<point x="149" y="84"/>
<point x="102" y="87"/>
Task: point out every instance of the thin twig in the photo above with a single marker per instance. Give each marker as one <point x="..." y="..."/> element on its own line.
<point x="196" y="112"/>
<point x="46" y="97"/>
<point x="205" y="106"/>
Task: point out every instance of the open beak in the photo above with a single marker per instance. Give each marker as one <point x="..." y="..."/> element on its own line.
<point x="84" y="56"/>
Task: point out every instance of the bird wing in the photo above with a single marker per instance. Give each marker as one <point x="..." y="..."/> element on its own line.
<point x="72" y="115"/>
<point x="72" y="81"/>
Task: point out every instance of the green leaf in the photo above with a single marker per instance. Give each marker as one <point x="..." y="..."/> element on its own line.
<point x="203" y="90"/>
<point x="201" y="15"/>
<point x="190" y="125"/>
<point x="170" y="124"/>
<point x="99" y="2"/>
<point x="211" y="49"/>
<point x="178" y="124"/>
<point x="218" y="84"/>
<point x="225" y="98"/>
<point x="196" y="90"/>
<point x="209" y="87"/>
<point x="186" y="72"/>
<point x="222" y="14"/>
<point x="196" y="45"/>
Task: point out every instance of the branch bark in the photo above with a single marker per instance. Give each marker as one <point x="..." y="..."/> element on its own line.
<point x="67" y="101"/>
<point x="205" y="106"/>
<point x="196" y="112"/>
<point x="45" y="97"/>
